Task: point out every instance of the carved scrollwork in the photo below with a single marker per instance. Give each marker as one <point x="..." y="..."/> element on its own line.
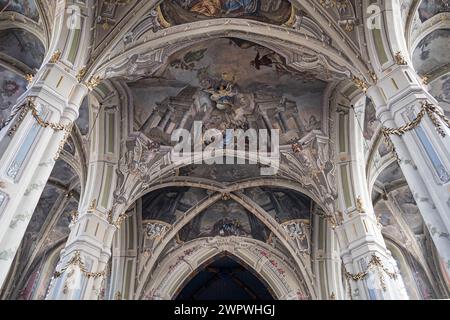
<point x="312" y="165"/>
<point x="150" y="22"/>
<point x="155" y="229"/>
<point x="138" y="65"/>
<point x="299" y="231"/>
<point x="134" y="169"/>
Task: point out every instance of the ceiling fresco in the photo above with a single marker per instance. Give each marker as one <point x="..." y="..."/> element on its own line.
<point x="371" y="122"/>
<point x="11" y="87"/>
<point x="410" y="211"/>
<point x="83" y="118"/>
<point x="224" y="82"/>
<point x="26" y="7"/>
<point x="440" y="89"/>
<point x="432" y="52"/>
<point x="430" y="8"/>
<point x="185" y="11"/>
<point x="391" y="174"/>
<point x="225" y="218"/>
<point x="215" y="172"/>
<point x="22" y="46"/>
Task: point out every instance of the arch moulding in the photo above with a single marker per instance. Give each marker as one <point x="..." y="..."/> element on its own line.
<point x="177" y="267"/>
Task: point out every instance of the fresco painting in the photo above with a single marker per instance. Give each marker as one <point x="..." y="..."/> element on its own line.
<point x="430" y="8"/>
<point x="429" y="55"/>
<point x="183" y="11"/>
<point x="230" y="76"/>
<point x="22" y="46"/>
<point x="27" y="8"/>
<point x="11" y="87"/>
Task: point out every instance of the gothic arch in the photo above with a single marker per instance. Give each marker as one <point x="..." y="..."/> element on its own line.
<point x="254" y="209"/>
<point x="273" y="267"/>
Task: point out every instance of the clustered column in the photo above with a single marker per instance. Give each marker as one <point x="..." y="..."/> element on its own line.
<point x="420" y="136"/>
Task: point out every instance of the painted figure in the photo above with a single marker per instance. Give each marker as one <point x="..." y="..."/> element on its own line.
<point x="209" y="8"/>
<point x="244" y="6"/>
<point x="215" y="8"/>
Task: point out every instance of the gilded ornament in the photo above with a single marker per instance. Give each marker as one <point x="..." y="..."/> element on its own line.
<point x="41" y="122"/>
<point x="63" y="142"/>
<point x="226" y="196"/>
<point x="400" y="59"/>
<point x="373" y="76"/>
<point x="74" y="216"/>
<point x="81" y="73"/>
<point x="433" y="113"/>
<point x="118" y="223"/>
<point x="374" y="263"/>
<point x="361" y="84"/>
<point x="29" y="77"/>
<point x="77" y="262"/>
<point x="297" y="147"/>
<point x="359" y="205"/>
<point x="425" y="79"/>
<point x="349" y="25"/>
<point x="56" y="56"/>
<point x="94" y="82"/>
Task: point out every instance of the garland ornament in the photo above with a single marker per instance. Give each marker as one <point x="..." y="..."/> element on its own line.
<point x="429" y="109"/>
<point x="77" y="262"/>
<point x="377" y="264"/>
<point x="44" y="124"/>
<point x="30" y="106"/>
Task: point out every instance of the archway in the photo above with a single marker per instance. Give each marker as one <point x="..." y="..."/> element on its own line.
<point x="225" y="278"/>
<point x="275" y="270"/>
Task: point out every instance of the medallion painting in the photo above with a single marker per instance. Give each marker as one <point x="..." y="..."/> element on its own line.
<point x="185" y="11"/>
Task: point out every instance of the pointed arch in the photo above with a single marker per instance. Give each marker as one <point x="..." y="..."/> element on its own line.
<point x="272" y="266"/>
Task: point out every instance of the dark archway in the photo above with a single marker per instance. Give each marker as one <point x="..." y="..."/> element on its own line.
<point x="225" y="279"/>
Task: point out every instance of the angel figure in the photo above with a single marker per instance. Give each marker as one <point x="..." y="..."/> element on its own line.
<point x="223" y="96"/>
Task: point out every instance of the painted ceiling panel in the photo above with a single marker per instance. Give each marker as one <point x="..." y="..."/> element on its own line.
<point x="185" y="11"/>
<point x="430" y="8"/>
<point x="26" y="7"/>
<point x="23" y="46"/>
<point x="432" y="52"/>
<point x="229" y="80"/>
<point x="440" y="89"/>
<point x="11" y="87"/>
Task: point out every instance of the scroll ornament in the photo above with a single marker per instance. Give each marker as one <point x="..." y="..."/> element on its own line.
<point x="134" y="170"/>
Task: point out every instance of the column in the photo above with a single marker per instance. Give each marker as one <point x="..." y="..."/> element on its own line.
<point x="83" y="264"/>
<point x="30" y="147"/>
<point x="422" y="148"/>
<point x="371" y="272"/>
<point x="30" y="143"/>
